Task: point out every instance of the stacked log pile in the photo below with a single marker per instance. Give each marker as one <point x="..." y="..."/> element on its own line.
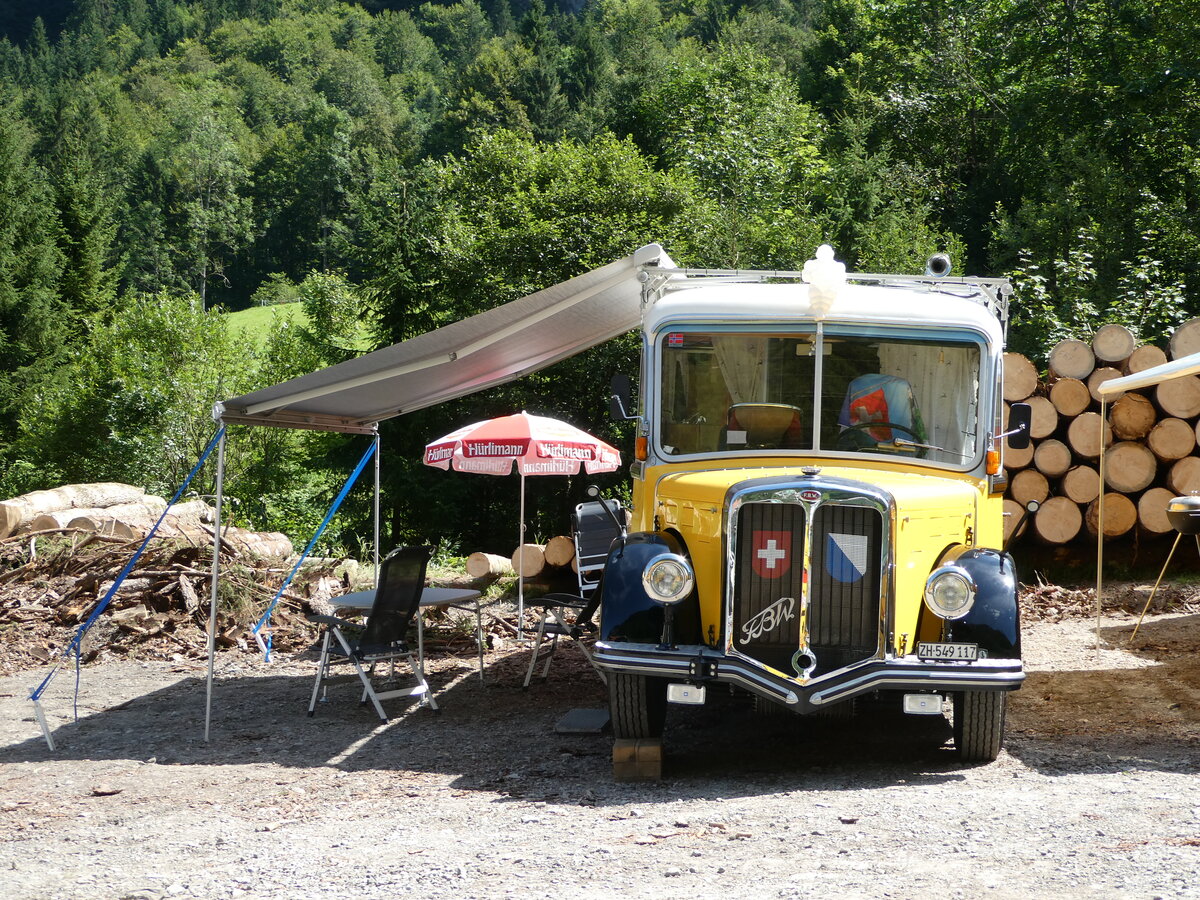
<point x="127" y="512"/>
<point x="1149" y="438"/>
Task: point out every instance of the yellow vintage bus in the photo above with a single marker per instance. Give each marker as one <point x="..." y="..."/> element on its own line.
<point x="816" y="501"/>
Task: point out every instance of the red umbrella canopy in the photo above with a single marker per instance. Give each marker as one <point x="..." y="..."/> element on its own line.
<point x="537" y="444"/>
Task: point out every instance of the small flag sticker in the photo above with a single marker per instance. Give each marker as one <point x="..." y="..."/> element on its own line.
<point x="675" y="339"/>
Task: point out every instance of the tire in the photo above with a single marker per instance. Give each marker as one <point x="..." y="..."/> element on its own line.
<point x="637" y="705"/>
<point x="979" y="724"/>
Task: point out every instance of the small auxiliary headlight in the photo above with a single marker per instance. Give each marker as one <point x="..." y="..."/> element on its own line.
<point x="950" y="592"/>
<point x="668" y="579"/>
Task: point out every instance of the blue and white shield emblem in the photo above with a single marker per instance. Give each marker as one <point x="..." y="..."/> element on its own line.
<point x="846" y="557"/>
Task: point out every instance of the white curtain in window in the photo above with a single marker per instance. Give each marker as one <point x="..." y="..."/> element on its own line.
<point x="945" y="384"/>
<point x="742" y="359"/>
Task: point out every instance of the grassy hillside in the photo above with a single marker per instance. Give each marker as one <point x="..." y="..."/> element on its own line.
<point x="256" y="321"/>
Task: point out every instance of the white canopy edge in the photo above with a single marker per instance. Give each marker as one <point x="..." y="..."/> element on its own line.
<point x="491" y="348"/>
<point x="1189" y="365"/>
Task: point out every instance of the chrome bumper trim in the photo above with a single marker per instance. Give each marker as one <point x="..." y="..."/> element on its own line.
<point x="700" y="664"/>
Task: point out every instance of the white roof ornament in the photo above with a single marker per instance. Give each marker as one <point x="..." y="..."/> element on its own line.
<point x="825" y="277"/>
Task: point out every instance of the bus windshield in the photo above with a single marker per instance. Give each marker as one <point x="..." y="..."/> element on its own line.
<point x="723" y="392"/>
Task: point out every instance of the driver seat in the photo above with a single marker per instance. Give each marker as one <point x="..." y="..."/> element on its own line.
<point x="883" y="398"/>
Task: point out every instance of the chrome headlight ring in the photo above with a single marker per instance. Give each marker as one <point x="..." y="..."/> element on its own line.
<point x="950" y="592"/>
<point x="668" y="579"/>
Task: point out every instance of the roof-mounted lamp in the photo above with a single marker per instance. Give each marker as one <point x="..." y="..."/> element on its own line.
<point x="825" y="277"/>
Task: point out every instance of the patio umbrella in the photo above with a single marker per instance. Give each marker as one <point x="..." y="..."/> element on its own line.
<point x="537" y="445"/>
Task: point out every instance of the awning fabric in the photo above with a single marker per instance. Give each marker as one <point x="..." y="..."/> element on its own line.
<point x="491" y="348"/>
<point x="1188" y="365"/>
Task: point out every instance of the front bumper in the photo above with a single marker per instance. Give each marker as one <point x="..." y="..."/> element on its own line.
<point x="703" y="665"/>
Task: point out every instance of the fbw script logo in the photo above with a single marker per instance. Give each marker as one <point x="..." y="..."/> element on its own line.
<point x="772" y="553"/>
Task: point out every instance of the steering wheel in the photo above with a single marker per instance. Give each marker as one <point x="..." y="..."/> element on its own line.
<point x="850" y="439"/>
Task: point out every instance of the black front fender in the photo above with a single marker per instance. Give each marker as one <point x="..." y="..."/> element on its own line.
<point x="626" y="613"/>
<point x="994" y="622"/>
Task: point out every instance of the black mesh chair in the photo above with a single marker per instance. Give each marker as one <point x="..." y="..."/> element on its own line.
<point x="570" y="615"/>
<point x="383" y="637"/>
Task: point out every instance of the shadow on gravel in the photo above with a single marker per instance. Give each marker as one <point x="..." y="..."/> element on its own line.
<point x="1114" y="720"/>
<point x="497" y="738"/>
<point x="492" y="737"/>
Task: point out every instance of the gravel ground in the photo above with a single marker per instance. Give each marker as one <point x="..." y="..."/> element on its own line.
<point x="1096" y="794"/>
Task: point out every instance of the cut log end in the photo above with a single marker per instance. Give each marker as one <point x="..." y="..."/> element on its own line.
<point x="488" y="565"/>
<point x="1020" y="377"/>
<point x="1058" y="520"/>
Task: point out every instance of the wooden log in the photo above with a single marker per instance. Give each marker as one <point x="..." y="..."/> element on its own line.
<point x="1145" y="357"/>
<point x="1185" y="340"/>
<point x="1020" y="377"/>
<point x="1028" y="484"/>
<point x="197" y="510"/>
<point x="488" y="565"/>
<point x="1129" y="467"/>
<point x="1071" y="359"/>
<point x="1171" y="439"/>
<point x="1113" y="343"/>
<point x="149" y="508"/>
<point x="1052" y="458"/>
<point x="528" y="560"/>
<point x="1070" y="396"/>
<point x="1098" y="377"/>
<point x="1081" y="484"/>
<point x="1179" y="397"/>
<point x="103" y="524"/>
<point x="1084" y="435"/>
<point x="18" y="513"/>
<point x="560" y="550"/>
<point x="1132" y="417"/>
<point x="1120" y="515"/>
<point x="1152" y="511"/>
<point x="1058" y="520"/>
<point x="1044" y="419"/>
<point x="60" y="518"/>
<point x="1184" y="475"/>
<point x="1013" y="512"/>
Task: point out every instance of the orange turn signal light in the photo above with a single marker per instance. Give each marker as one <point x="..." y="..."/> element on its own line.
<point x="993" y="462"/>
<point x="641" y="448"/>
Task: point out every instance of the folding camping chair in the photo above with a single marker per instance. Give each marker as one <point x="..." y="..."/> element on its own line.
<point x="382" y="638"/>
<point x="593" y="531"/>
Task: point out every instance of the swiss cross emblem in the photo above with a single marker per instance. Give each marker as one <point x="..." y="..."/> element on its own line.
<point x="772" y="553"/>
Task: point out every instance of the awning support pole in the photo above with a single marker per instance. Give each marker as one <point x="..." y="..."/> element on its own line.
<point x="212" y="593"/>
<point x="377" y="507"/>
<point x="521" y="564"/>
<point x="1100" y="520"/>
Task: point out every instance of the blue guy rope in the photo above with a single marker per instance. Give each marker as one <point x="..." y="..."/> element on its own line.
<point x="77" y="642"/>
<point x="265" y="646"/>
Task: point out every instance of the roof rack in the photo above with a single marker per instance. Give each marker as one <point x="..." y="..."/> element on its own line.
<point x="991" y="293"/>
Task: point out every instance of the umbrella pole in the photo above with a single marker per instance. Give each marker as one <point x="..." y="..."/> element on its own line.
<point x="521" y="565"/>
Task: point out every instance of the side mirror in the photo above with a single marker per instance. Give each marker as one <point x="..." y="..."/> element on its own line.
<point x="621" y="390"/>
<point x="1020" y="415"/>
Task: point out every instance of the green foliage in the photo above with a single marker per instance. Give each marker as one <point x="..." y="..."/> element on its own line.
<point x="33" y="317"/>
<point x="732" y="121"/>
<point x="401" y="165"/>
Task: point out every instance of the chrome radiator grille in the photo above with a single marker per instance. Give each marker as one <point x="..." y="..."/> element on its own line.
<point x="843" y="590"/>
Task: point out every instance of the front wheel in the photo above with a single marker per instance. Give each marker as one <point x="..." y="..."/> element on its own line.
<point x="979" y="724"/>
<point x="637" y="705"/>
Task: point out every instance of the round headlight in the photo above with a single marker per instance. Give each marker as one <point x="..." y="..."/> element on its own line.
<point x="950" y="592"/>
<point x="668" y="579"/>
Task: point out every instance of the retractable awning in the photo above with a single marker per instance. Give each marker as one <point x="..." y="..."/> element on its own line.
<point x="491" y="348"/>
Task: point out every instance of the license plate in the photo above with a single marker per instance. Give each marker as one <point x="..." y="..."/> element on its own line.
<point x="929" y="650"/>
